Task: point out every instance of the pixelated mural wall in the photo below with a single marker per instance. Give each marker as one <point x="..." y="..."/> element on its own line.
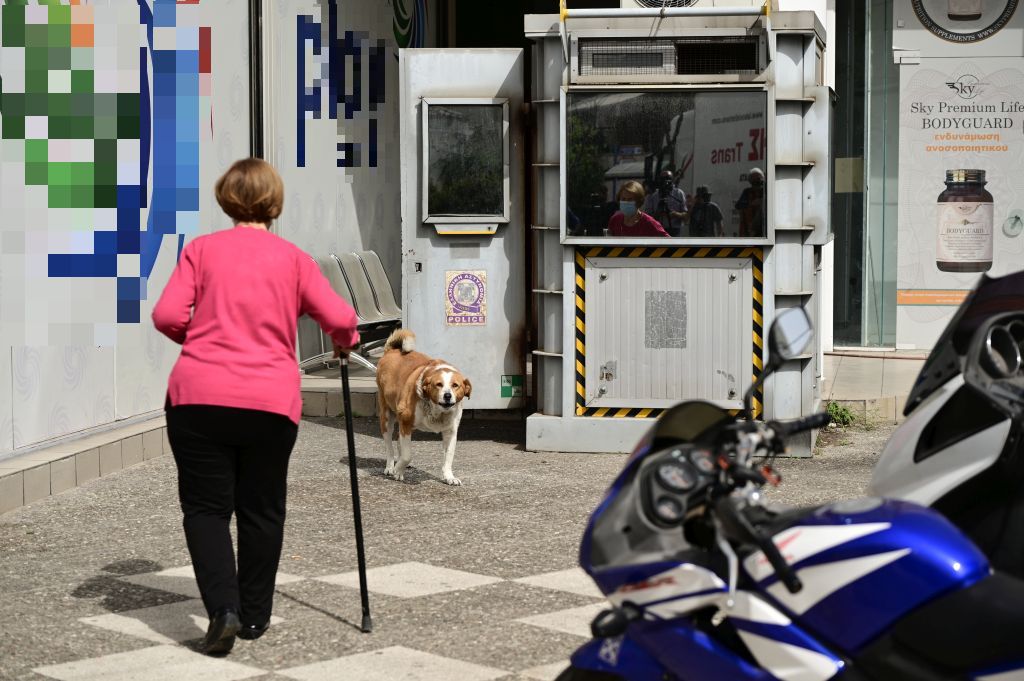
<point x="336" y="140"/>
<point x="117" y="117"/>
<point x="91" y="134"/>
<point x="109" y="144"/>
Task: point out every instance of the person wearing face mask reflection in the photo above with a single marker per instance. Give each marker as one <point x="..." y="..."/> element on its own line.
<point x="629" y="220"/>
<point x="751" y="205"/>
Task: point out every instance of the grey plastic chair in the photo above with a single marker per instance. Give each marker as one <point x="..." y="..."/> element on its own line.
<point x="364" y="300"/>
<point x="383" y="292"/>
<point x="310" y="334"/>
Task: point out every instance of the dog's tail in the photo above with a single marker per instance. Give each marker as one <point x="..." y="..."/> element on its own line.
<point x="403" y="340"/>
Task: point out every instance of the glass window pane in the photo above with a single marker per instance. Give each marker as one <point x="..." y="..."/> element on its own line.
<point x="683" y="164"/>
<point x="466" y="165"/>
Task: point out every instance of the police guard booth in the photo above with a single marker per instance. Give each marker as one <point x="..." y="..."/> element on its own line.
<point x="718" y="113"/>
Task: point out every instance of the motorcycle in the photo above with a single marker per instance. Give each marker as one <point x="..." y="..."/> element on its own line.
<point x="706" y="582"/>
<point x="960" y="449"/>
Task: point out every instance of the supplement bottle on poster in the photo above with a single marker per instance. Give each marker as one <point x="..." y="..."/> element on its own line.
<point x="964" y="223"/>
<point x="964" y="10"/>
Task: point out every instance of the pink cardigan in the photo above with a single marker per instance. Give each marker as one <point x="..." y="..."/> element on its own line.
<point x="233" y="303"/>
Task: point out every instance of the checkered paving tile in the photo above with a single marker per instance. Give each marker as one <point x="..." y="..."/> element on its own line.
<point x="547" y="672"/>
<point x="411" y="580"/>
<point x="182" y="580"/>
<point x="171" y="623"/>
<point x="574" y="621"/>
<point x="573" y="580"/>
<point x="393" y="663"/>
<point x="158" y="663"/>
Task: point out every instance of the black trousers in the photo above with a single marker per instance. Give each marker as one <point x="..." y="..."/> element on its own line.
<point x="233" y="461"/>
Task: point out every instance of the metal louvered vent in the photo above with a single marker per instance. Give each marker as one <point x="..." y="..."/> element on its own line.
<point x="627" y="57"/>
<point x="675" y="57"/>
<point x="666" y="3"/>
<point x="713" y="56"/>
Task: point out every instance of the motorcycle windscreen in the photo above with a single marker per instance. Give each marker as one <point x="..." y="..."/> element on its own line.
<point x="618" y="533"/>
<point x="991" y="296"/>
<point x="685" y="423"/>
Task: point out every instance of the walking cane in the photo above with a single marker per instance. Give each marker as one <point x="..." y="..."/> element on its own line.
<point x="346" y="396"/>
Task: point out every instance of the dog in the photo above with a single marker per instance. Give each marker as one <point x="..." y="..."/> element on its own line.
<point x="417" y="392"/>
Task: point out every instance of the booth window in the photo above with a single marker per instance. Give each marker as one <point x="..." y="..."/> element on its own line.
<point x="698" y="157"/>
<point x="466" y="175"/>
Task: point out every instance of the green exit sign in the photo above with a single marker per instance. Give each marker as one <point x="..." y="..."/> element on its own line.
<point x="511" y="386"/>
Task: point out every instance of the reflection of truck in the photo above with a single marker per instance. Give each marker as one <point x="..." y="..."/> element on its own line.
<point x="716" y="144"/>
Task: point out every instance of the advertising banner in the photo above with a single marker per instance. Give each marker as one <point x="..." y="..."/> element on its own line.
<point x="961" y="195"/>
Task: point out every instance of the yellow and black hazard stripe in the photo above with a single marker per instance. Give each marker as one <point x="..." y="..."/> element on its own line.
<point x="581" y="335"/>
<point x="582" y="254"/>
<point x="758" y="353"/>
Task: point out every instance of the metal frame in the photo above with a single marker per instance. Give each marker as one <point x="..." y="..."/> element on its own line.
<point x="256" y="78"/>
<point x="429" y="218"/>
<point x="656" y="12"/>
<point x="769" y="168"/>
<point x="575" y="78"/>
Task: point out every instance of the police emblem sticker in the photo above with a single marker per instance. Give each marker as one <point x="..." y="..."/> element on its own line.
<point x="465" y="298"/>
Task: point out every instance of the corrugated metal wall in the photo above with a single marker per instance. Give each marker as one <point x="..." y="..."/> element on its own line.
<point x="673" y="329"/>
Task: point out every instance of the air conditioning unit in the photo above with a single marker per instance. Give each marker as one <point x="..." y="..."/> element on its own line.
<point x="655" y="4"/>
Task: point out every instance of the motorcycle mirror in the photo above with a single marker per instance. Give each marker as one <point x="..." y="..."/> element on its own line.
<point x="790" y="334"/>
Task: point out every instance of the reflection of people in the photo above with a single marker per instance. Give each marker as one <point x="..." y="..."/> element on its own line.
<point x="630" y="220"/>
<point x="751" y="205"/>
<point x="705" y="215"/>
<point x="667" y="204"/>
<point x="233" y="404"/>
<point x="572" y="223"/>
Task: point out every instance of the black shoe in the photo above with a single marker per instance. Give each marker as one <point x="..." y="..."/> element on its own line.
<point x="220" y="636"/>
<point x="251" y="632"/>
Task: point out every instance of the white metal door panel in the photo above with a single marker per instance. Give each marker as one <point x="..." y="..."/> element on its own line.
<point x="491" y="350"/>
<point x="661" y="330"/>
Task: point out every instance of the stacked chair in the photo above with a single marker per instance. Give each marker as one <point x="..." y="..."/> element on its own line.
<point x="360" y="279"/>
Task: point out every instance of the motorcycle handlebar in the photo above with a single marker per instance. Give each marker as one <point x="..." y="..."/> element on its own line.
<point x="735" y="522"/>
<point x="812" y="422"/>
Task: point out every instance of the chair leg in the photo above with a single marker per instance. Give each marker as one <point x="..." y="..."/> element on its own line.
<point x="322" y="360"/>
<point x="362" y="361"/>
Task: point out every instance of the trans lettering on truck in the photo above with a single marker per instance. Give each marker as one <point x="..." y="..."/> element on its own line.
<point x="739" y="152"/>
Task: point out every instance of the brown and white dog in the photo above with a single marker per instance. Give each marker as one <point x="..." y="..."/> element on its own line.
<point x="421" y="393"/>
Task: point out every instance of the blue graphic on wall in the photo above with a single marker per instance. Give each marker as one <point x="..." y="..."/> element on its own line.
<point x="339" y="60"/>
<point x="167" y="127"/>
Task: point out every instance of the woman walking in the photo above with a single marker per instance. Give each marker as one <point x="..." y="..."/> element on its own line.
<point x="233" y="400"/>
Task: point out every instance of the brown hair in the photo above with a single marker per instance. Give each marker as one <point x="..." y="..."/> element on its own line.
<point x="634" y="191"/>
<point x="251" y="191"/>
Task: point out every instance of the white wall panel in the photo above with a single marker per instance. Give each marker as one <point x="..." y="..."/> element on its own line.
<point x="327" y="207"/>
<point x="61" y="390"/>
<point x="66" y="362"/>
<point x="712" y="359"/>
<point x="144" y="356"/>
<point x="6" y="401"/>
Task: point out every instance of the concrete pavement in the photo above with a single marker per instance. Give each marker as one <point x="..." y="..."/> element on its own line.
<point x="471" y="582"/>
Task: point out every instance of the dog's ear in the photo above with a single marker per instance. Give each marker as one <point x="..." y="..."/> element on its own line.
<point x="467" y="386"/>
